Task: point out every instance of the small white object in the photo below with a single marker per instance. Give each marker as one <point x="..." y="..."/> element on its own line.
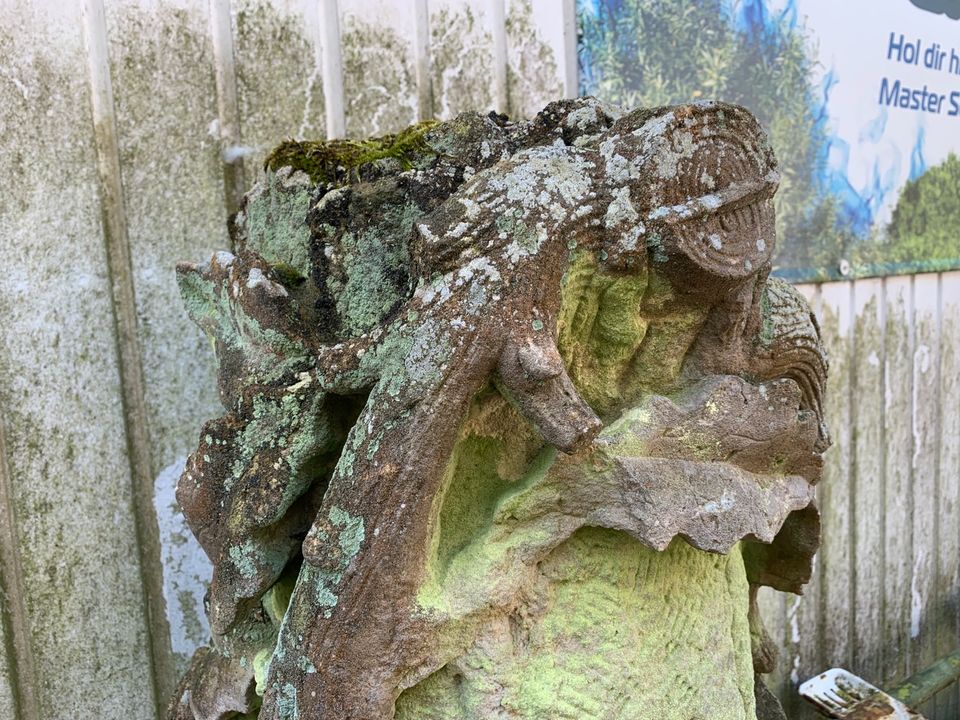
<point x="838" y="693"/>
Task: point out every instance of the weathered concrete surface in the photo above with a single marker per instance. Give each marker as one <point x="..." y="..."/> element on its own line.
<point x="59" y="383"/>
<point x="378" y="38"/>
<point x="461" y="51"/>
<point x="534" y="40"/>
<point x="7" y="706"/>
<point x="186" y="570"/>
<point x="277" y="46"/>
<point x="172" y="179"/>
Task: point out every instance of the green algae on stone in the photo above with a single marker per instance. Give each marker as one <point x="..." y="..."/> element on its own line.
<point x="608" y="628"/>
<point x="485" y="467"/>
<point x="465" y="565"/>
<point x="261" y="667"/>
<point x="623" y="334"/>
<point x="600" y="328"/>
<point x="277" y="598"/>
<point x="378" y="75"/>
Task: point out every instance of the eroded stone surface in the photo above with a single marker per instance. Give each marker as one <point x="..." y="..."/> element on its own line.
<point x="453" y="370"/>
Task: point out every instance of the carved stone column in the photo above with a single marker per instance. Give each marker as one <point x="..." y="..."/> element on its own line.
<point x="515" y="424"/>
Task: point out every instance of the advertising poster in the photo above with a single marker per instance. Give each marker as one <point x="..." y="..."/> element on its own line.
<point x="861" y="101"/>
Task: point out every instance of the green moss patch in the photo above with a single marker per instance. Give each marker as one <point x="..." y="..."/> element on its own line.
<point x="334" y="161"/>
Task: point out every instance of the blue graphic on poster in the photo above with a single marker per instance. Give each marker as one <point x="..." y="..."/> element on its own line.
<point x="861" y="101"/>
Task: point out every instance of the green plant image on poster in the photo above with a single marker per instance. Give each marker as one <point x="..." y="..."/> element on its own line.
<point x="835" y="87"/>
<point x="926" y="218"/>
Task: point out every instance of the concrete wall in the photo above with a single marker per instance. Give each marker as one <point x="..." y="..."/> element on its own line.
<point x="130" y="129"/>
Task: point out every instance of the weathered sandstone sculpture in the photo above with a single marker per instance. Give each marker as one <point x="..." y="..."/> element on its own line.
<point x="516" y="424"/>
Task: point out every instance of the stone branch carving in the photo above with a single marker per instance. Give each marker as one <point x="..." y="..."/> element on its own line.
<point x="461" y="364"/>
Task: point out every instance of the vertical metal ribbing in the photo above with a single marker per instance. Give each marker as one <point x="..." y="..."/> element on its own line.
<point x="228" y="109"/>
<point x="852" y="532"/>
<point x="421" y="15"/>
<point x="16" y="625"/>
<point x="883" y="521"/>
<point x="571" y="80"/>
<point x="498" y="29"/>
<point x="332" y="60"/>
<point x="128" y="347"/>
<point x="846" y="563"/>
<point x="934" y="597"/>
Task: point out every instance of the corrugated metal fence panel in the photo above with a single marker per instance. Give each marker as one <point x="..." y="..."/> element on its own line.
<point x="379" y="40"/>
<point x="166" y="117"/>
<point x="7" y="706"/>
<point x="167" y="145"/>
<point x="535" y="50"/>
<point x="462" y="47"/>
<point x="835" y="492"/>
<point x="924" y="466"/>
<point x="70" y="565"/>
<point x="945" y="605"/>
<point x="133" y="127"/>
<point x="278" y="51"/>
<point x="868" y="476"/>
<point x="884" y="601"/>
